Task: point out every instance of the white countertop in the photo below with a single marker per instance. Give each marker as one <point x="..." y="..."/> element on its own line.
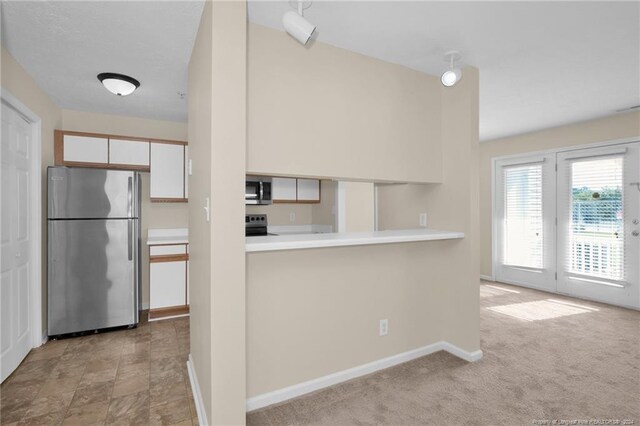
<point x="293" y="242"/>
<point x="167" y="236"/>
<point x="299" y="229"/>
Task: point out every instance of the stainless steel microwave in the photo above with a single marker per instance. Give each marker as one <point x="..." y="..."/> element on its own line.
<point x="258" y="190"/>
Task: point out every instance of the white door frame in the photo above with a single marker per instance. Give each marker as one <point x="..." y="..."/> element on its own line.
<point x="494" y="160"/>
<point x="35" y="224"/>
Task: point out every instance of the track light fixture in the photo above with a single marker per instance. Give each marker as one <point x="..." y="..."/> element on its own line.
<point x="296" y="25"/>
<point x="453" y="75"/>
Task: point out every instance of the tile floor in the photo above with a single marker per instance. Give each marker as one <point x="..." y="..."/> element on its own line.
<point x="136" y="377"/>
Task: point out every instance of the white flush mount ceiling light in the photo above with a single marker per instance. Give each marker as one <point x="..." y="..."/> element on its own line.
<point x="296" y="25"/>
<point x="118" y="84"/>
<point x="453" y="75"/>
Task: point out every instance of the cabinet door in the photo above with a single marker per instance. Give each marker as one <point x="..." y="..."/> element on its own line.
<point x="168" y="284"/>
<point x="85" y="149"/>
<point x="167" y="171"/>
<point x="127" y="152"/>
<point x="283" y="189"/>
<point x="309" y="190"/>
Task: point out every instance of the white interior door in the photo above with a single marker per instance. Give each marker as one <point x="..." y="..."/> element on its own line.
<point x="598" y="224"/>
<point x="525" y="221"/>
<point x="15" y="244"/>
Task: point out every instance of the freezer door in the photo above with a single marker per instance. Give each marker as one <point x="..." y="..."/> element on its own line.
<point x="92" y="274"/>
<point x="82" y="193"/>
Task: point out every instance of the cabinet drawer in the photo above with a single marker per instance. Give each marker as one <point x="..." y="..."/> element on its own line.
<point x="164" y="250"/>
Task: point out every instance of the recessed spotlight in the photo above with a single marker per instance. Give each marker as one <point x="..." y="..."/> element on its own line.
<point x="453" y="75"/>
<point x="118" y="84"/>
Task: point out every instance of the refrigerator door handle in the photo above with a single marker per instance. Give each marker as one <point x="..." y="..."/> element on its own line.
<point x="130" y="239"/>
<point x="130" y="198"/>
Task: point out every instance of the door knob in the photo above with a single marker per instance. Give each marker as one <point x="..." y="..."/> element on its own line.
<point x="635" y="233"/>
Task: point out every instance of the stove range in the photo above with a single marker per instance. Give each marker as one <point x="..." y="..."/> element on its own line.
<point x="255" y="225"/>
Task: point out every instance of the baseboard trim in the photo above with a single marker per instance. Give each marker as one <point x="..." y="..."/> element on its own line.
<point x="487" y="278"/>
<point x="197" y="395"/>
<point x="461" y="353"/>
<point x="303" y="388"/>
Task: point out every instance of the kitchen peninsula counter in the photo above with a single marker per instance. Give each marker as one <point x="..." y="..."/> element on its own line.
<point x="305" y="241"/>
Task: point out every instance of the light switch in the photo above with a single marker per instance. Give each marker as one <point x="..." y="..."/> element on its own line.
<point x="207" y="209"/>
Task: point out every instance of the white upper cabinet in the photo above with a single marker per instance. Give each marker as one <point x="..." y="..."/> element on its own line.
<point x="283" y="189"/>
<point x="85" y="149"/>
<point x="128" y="152"/>
<point x="308" y="190"/>
<point x="292" y="190"/>
<point x="167" y="171"/>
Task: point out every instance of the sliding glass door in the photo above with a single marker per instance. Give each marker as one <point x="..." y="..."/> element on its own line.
<point x="598" y="224"/>
<point x="525" y="210"/>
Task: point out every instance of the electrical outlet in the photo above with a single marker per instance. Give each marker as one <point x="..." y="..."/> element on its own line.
<point x="423" y="220"/>
<point x="384" y="327"/>
<point x="292" y="217"/>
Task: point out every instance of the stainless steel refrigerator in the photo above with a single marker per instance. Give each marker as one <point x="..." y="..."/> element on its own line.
<point x="94" y="272"/>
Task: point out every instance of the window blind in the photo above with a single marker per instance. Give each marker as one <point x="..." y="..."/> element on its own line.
<point x="596" y="243"/>
<point x="523" y="227"/>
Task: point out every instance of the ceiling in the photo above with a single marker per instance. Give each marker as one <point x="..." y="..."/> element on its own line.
<point x="542" y="64"/>
<point x="64" y="45"/>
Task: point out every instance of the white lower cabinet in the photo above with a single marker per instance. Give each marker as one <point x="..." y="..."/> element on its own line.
<point x="169" y="284"/>
<point x="168" y="281"/>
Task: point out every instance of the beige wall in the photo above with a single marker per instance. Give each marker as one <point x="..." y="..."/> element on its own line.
<point x="18" y="83"/>
<point x="324" y="213"/>
<point x="452" y="205"/>
<point x="359" y="205"/>
<point x="279" y="214"/>
<point x="315" y="312"/>
<point x="621" y="126"/>
<point x="200" y="134"/>
<point x="217" y="136"/>
<point x="305" y="214"/>
<point x="82" y="121"/>
<point x="154" y="215"/>
<point x="413" y="200"/>
<point x="322" y="111"/>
